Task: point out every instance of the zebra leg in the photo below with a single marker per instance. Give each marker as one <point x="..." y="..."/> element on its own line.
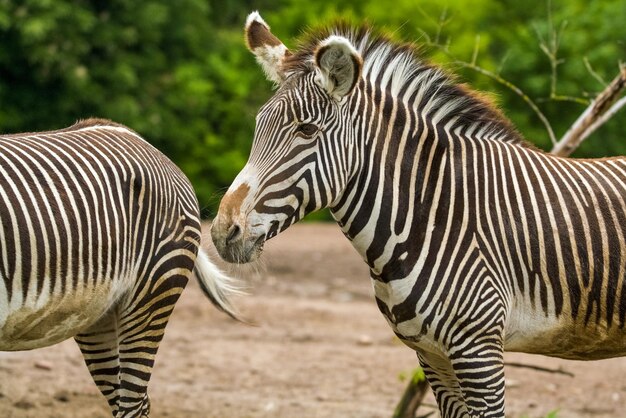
<point x="142" y="326"/>
<point x="445" y="386"/>
<point x="100" y="351"/>
<point x="481" y="378"/>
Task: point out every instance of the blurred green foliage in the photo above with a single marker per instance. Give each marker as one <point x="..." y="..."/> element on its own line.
<point x="180" y="75"/>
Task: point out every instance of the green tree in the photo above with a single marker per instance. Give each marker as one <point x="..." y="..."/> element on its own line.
<point x="180" y="75"/>
<point x="162" y="68"/>
<point x="508" y="35"/>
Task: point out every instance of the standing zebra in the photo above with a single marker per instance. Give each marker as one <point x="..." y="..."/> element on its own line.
<point x="99" y="236"/>
<point x="476" y="242"/>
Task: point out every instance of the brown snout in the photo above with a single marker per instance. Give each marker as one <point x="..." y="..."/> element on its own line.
<point x="233" y="240"/>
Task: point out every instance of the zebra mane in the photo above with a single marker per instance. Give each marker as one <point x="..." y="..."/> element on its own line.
<point x="408" y="75"/>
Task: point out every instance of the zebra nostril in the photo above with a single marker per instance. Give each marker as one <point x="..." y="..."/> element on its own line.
<point x="233" y="233"/>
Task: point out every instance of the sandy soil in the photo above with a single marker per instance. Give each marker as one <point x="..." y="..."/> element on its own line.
<point x="320" y="349"/>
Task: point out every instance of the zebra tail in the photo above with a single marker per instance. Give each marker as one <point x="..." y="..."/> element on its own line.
<point x="216" y="285"/>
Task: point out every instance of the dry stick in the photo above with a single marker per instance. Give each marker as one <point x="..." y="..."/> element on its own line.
<point x="607" y="115"/>
<point x="516" y="90"/>
<point x="417" y="388"/>
<point x="540" y="369"/>
<point x="412" y="398"/>
<point x="497" y="78"/>
<point x="598" y="112"/>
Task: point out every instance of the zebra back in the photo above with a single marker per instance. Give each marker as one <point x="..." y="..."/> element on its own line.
<point x="86" y="207"/>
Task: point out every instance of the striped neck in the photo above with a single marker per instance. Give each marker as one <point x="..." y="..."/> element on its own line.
<point x="405" y="136"/>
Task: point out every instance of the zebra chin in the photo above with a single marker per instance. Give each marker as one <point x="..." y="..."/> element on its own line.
<point x="241" y="251"/>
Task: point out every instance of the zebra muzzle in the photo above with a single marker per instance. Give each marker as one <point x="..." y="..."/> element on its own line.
<point x="234" y="232"/>
<point x="235" y="244"/>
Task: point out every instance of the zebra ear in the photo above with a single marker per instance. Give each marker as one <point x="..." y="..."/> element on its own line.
<point x="268" y="49"/>
<point x="338" y="66"/>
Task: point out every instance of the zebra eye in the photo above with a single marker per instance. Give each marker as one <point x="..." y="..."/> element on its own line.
<point x="307" y="129"/>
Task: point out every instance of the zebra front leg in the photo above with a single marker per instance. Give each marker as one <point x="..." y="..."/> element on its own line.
<point x="480" y="373"/>
<point x="100" y="351"/>
<point x="445" y="386"/>
<point x="142" y="326"/>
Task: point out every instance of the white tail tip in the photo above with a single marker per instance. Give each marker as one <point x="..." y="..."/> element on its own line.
<point x="216" y="285"/>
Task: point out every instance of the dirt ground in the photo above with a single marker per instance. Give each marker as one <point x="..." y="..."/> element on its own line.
<point x="320" y="348"/>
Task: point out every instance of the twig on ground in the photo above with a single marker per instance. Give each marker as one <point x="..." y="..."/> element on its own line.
<point x="540" y="369"/>
<point x="413" y="396"/>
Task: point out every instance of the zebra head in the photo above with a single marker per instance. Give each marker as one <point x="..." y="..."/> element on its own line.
<point x="304" y="148"/>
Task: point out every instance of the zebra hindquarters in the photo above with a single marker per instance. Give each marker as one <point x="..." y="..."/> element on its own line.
<point x="120" y="348"/>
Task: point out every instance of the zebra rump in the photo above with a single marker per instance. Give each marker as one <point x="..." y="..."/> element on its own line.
<point x="99" y="235"/>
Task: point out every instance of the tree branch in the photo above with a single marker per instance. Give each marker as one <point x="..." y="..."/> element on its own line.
<point x="602" y="120"/>
<point x="540" y="369"/>
<point x="598" y="112"/>
<point x="593" y="73"/>
<point x="515" y="90"/>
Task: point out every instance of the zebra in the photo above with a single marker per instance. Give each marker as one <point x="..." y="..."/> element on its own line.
<point x="99" y="235"/>
<point x="476" y="241"/>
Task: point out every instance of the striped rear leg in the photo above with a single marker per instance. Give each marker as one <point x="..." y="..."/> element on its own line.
<point x="100" y="350"/>
<point x="142" y="326"/>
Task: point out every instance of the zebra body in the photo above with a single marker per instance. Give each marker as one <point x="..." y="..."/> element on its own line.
<point x="476" y="242"/>
<point x="568" y="305"/>
<point x="99" y="235"/>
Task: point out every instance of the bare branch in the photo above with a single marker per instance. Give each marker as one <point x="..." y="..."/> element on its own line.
<point x="517" y="91"/>
<point x="443" y="21"/>
<point x="550" y="48"/>
<point x="602" y="120"/>
<point x="418" y="387"/>
<point x="476" y="48"/>
<point x="614" y="109"/>
<point x="593" y="73"/>
<point x="503" y="61"/>
<point x="562" y="98"/>
<point x="426" y="16"/>
<point x="540" y="369"/>
<point x="425" y="35"/>
<point x="498" y="78"/>
<point x="593" y="116"/>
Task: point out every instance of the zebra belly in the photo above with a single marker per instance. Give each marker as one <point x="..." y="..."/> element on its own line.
<point x="52" y="318"/>
<point x="563" y="337"/>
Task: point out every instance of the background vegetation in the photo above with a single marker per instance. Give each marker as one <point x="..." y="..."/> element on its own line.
<point x="178" y="71"/>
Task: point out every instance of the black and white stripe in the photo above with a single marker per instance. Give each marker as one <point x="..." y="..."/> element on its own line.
<point x="99" y="236"/>
<point x="476" y="242"/>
